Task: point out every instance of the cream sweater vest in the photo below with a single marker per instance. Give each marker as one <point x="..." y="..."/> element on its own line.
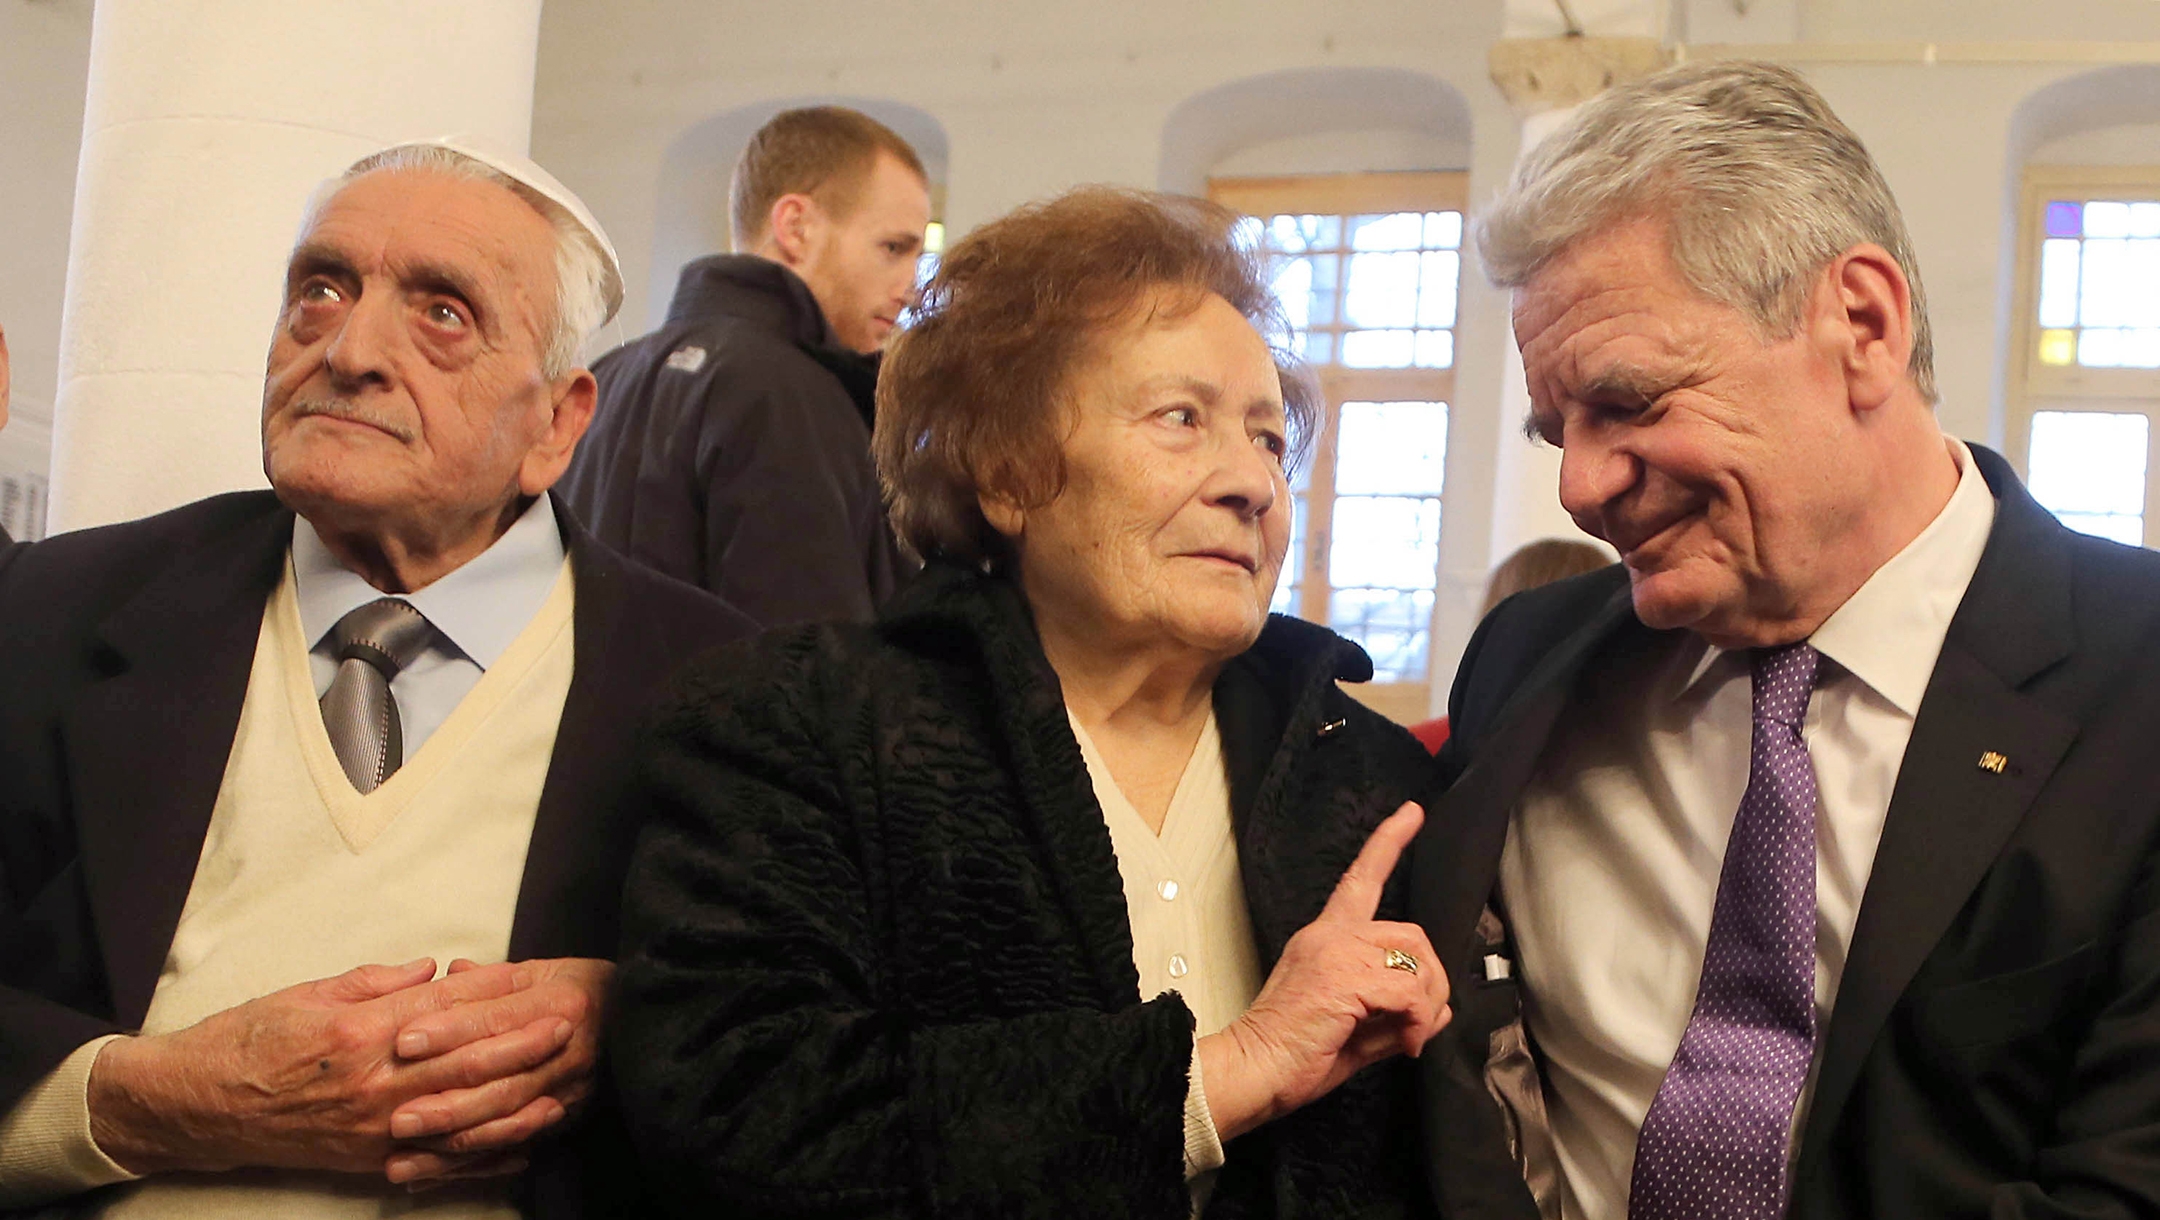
<point x="301" y="877"/>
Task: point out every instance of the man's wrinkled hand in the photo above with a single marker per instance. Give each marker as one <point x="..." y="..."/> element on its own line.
<point x="303" y="1078"/>
<point x="458" y="1131"/>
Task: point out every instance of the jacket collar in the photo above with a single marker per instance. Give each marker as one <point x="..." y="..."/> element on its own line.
<point x="1291" y="654"/>
<point x="563" y="884"/>
<point x="175" y="661"/>
<point x="757" y="290"/>
<point x="1456" y="859"/>
<point x="2016" y="616"/>
<point x="983" y="618"/>
<point x="1263" y="696"/>
<point x="2014" y="621"/>
<point x="774" y="299"/>
<point x="977" y="619"/>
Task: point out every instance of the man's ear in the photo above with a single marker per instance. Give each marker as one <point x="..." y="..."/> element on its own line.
<point x="570" y="413"/>
<point x="792" y="228"/>
<point x="1865" y="306"/>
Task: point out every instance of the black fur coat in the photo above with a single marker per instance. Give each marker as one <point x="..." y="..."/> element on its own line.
<point x="877" y="959"/>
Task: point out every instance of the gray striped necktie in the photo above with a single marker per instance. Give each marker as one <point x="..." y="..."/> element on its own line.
<point x="372" y="644"/>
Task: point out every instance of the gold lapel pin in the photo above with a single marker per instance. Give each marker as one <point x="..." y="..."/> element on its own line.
<point x="1993" y="761"/>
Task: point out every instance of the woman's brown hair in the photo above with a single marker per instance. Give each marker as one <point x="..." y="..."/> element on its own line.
<point x="972" y="395"/>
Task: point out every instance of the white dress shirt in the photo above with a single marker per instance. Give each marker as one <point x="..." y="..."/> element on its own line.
<point x="476" y="610"/>
<point x="1613" y="856"/>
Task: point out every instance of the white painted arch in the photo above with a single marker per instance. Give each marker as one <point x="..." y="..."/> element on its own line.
<point x="1365" y="118"/>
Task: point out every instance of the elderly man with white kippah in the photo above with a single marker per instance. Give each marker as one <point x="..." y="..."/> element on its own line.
<point x="312" y="813"/>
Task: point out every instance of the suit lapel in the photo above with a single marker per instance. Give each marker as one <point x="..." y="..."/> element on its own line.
<point x="1453" y="869"/>
<point x="563" y="884"/>
<point x="1949" y="815"/>
<point x="146" y="746"/>
<point x="1250" y="719"/>
<point x="1270" y="705"/>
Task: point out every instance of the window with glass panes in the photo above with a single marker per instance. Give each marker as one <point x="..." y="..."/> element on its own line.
<point x="1367" y="267"/>
<point x="2087" y="370"/>
<point x="926" y="263"/>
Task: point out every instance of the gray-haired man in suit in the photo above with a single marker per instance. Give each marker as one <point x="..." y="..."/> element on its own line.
<point x="1808" y="863"/>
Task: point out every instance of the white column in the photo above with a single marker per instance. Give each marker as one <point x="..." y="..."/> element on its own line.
<point x="206" y="126"/>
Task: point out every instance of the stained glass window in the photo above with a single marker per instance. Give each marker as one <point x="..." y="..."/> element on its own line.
<point x="2099" y="297"/>
<point x="2081" y="419"/>
<point x="2088" y="468"/>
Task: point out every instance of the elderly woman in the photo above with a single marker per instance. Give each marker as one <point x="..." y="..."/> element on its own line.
<point x="1053" y="893"/>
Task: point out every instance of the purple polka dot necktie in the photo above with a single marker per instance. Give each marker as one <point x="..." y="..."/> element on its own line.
<point x="1715" y="1141"/>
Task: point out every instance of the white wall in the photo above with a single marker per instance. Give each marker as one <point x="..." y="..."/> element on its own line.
<point x="1320" y="119"/>
<point x="1031" y="97"/>
<point x="1034" y="97"/>
<point x="44" y="64"/>
<point x="2121" y="144"/>
<point x="1347" y="152"/>
<point x="1953" y="193"/>
<point x="1979" y="20"/>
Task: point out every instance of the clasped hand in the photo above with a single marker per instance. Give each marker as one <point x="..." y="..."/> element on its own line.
<point x="1333" y="1004"/>
<point x="381" y="1069"/>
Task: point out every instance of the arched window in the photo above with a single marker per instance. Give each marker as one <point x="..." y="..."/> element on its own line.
<point x="1368" y="267"/>
<point x="1354" y="182"/>
<point x="2083" y="408"/>
<point x="2090" y="353"/>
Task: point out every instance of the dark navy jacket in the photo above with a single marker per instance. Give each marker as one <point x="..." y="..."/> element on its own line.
<point x="731" y="450"/>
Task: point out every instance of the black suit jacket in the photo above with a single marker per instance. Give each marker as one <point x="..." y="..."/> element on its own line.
<point x="126" y="652"/>
<point x="1995" y="1049"/>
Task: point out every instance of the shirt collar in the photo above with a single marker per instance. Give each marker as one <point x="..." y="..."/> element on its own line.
<point x="1890" y="632"/>
<point x="479" y="607"/>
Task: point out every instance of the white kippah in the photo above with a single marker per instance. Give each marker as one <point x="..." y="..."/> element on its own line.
<point x="526" y="172"/>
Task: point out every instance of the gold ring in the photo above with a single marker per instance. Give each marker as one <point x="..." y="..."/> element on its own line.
<point x="1399" y="960"/>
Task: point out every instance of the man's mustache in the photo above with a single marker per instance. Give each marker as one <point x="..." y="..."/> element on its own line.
<point x="338" y="408"/>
